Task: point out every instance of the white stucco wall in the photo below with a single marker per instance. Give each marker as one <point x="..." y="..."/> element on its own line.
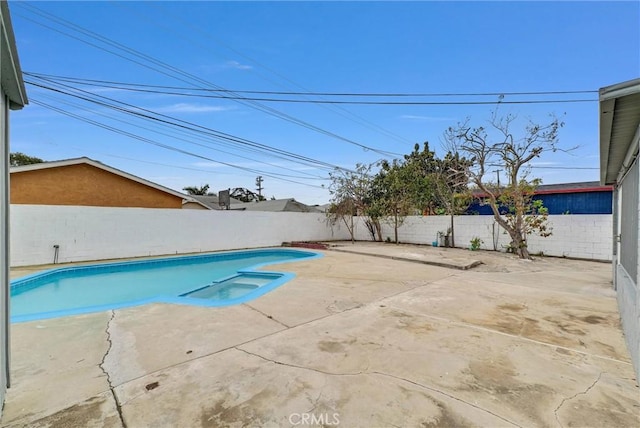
<point x="96" y="233"/>
<point x="579" y="236"/>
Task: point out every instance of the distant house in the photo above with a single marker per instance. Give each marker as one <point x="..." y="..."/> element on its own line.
<point x="322" y="208"/>
<point x="588" y="197"/>
<point x="194" y="204"/>
<point x="86" y="182"/>
<point x="619" y="166"/>
<point x="210" y="202"/>
<point x="277" y="205"/>
<point x="13" y="97"/>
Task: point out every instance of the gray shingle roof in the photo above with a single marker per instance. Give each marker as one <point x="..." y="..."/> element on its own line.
<point x="278" y="205"/>
<point x="212" y="201"/>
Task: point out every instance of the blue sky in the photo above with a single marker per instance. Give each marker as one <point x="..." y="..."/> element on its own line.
<point x="337" y="47"/>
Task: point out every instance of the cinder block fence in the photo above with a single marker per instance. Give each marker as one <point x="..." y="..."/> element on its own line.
<point x="98" y="233"/>
<point x="577" y="236"/>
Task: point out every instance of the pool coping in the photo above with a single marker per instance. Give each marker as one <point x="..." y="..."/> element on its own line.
<point x="282" y="278"/>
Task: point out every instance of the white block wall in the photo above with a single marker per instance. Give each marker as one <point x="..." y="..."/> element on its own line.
<point x="97" y="233"/>
<point x="579" y="236"/>
<point x="414" y="230"/>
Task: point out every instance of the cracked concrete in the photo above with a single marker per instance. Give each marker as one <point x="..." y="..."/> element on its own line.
<point x="55" y="366"/>
<point x="449" y="396"/>
<point x="102" y="367"/>
<point x="565" y="400"/>
<point x="353" y="340"/>
<point x="266" y="315"/>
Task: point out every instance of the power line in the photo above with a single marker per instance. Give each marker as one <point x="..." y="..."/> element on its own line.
<point x="187" y="126"/>
<point x="165" y="119"/>
<point x="147" y="162"/>
<point x="334" y="94"/>
<point x="564" y="167"/>
<point x="181" y="74"/>
<point x="233" y="95"/>
<point x="341" y="111"/>
<point x="165" y="122"/>
<point x="162" y="145"/>
<point x="308" y="176"/>
<point x="131" y="87"/>
<point x="170" y="126"/>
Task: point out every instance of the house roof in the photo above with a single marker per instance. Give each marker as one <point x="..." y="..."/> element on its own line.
<point x="619" y="128"/>
<point x="583" y="186"/>
<point x="546" y="189"/>
<point x="277" y="205"/>
<point x="322" y="208"/>
<point x="211" y="201"/>
<point x="12" y="82"/>
<point x="96" y="164"/>
<point x="193" y="200"/>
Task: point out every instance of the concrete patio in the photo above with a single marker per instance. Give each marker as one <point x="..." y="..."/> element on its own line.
<point x="355" y="340"/>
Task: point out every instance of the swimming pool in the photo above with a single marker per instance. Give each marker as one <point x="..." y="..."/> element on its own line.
<point x="216" y="279"/>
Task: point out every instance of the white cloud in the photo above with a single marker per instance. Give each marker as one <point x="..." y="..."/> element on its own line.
<point x="224" y="66"/>
<point x="190" y="108"/>
<point x="166" y="178"/>
<point x="104" y="90"/>
<point x="426" y="118"/>
<point x="207" y="165"/>
<point x="237" y="65"/>
<point x="220" y="165"/>
<point x="545" y="163"/>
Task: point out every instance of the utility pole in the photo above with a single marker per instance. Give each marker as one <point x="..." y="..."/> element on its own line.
<point x="259" y="187"/>
<point x="498" y="171"/>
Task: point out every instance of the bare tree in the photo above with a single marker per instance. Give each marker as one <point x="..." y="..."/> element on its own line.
<point x="504" y="150"/>
<point x="343" y="210"/>
<point x="245" y="195"/>
<point x="451" y="187"/>
<point x="350" y="191"/>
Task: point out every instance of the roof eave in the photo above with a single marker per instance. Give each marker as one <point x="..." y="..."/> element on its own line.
<point x="12" y="82"/>
<point x="619" y="90"/>
<point x="608" y="97"/>
<point x="606" y="122"/>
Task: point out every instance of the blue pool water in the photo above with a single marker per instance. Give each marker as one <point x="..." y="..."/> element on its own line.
<point x="218" y="279"/>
